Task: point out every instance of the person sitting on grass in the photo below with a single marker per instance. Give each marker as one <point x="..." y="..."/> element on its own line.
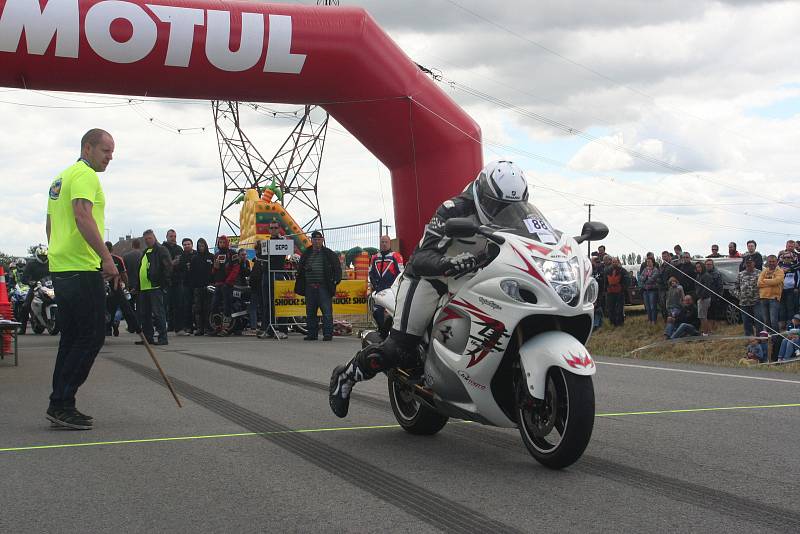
<point x="686" y="320"/>
<point x="790" y="346"/>
<point x="754" y="351"/>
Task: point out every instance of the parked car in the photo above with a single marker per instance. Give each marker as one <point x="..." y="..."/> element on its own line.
<point x="729" y="269"/>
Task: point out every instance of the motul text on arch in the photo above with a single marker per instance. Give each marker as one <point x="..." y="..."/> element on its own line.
<point x="60" y="20"/>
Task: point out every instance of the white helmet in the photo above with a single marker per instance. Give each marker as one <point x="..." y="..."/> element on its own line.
<point x="41" y="254"/>
<point x="499" y="184"/>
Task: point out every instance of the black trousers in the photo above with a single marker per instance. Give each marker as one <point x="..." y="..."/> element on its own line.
<point x="151" y="309"/>
<point x="116" y="299"/>
<point x="80" y="296"/>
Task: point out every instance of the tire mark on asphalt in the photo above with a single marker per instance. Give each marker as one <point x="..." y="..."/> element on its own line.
<point x="672" y="488"/>
<point x="438" y="511"/>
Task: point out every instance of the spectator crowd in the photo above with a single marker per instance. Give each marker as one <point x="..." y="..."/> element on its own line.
<point x="686" y="293"/>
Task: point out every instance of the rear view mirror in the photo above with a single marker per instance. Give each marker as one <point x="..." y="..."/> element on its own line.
<point x="592" y="231"/>
<point x="460" y="227"/>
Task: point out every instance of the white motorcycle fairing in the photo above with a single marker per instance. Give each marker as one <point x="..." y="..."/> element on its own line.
<point x="473" y="327"/>
<point x="552" y="349"/>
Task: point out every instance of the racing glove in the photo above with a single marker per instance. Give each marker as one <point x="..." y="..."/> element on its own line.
<point x="462" y="263"/>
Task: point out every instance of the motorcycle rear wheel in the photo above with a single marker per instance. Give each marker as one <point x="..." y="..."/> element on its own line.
<point x="413" y="416"/>
<point x="557" y="430"/>
<point x="52" y="327"/>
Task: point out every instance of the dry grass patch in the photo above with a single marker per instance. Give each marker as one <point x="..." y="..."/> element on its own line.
<point x="636" y="333"/>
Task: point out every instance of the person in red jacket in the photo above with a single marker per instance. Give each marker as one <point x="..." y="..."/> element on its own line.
<point x="384" y="268"/>
<point x="223" y="274"/>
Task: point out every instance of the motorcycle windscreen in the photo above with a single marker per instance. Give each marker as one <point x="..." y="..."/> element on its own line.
<point x="525" y="220"/>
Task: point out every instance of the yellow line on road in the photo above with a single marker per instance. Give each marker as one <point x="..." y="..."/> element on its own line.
<point x="355" y="428"/>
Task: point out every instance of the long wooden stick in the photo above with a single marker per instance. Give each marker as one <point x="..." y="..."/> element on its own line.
<point x="160" y="370"/>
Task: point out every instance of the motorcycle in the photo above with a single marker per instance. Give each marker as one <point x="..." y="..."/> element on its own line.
<point x="506" y="346"/>
<point x="17" y="296"/>
<point x="239" y="318"/>
<point x="43" y="308"/>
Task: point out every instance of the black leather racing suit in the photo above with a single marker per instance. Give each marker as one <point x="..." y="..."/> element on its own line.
<point x="422" y="285"/>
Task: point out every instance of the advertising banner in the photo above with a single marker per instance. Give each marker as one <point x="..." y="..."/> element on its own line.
<point x="350" y="299"/>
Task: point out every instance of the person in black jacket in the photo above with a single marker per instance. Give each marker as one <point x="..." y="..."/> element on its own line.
<point x="318" y="275"/>
<point x="36" y="268"/>
<point x="154" y="272"/>
<point x="183" y="314"/>
<point x="172" y="286"/>
<point x="685" y="323"/>
<point x="198" y="279"/>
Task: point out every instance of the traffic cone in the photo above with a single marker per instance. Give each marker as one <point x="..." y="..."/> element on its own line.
<point x="5" y="310"/>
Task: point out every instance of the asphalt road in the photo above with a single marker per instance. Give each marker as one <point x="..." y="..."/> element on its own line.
<point x="247" y="467"/>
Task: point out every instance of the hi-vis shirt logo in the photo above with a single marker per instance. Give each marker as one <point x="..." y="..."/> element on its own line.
<point x="55" y="189"/>
<point x="59" y="21"/>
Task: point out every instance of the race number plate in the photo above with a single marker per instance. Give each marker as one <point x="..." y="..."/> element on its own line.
<point x="539" y="227"/>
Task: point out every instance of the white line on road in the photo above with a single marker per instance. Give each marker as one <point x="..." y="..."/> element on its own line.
<point x="700" y="372"/>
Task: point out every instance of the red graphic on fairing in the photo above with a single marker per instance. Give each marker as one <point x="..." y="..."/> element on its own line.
<point x="579" y="361"/>
<point x="529" y="268"/>
<point x="538" y="248"/>
<point x="488" y="338"/>
<point x="566" y="249"/>
<point x="447" y="314"/>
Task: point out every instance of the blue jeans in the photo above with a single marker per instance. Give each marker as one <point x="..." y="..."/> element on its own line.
<point x="787" y="349"/>
<point x="225" y="294"/>
<point x="81" y="316"/>
<point x="318" y="297"/>
<point x="651" y="304"/>
<point x="768" y="312"/>
<point x="684" y="330"/>
<point x="747" y="321"/>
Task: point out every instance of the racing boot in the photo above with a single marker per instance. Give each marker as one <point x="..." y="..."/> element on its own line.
<point x="343" y="379"/>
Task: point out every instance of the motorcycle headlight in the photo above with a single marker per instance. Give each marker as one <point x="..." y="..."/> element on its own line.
<point x="592" y="290"/>
<point x="511" y="288"/>
<point x="562" y="275"/>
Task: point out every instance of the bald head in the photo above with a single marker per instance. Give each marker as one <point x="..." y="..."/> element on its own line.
<point x="97" y="149"/>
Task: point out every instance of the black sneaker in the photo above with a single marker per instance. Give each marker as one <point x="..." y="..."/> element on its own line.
<point x="68" y="418"/>
<point x="309" y="338"/>
<point x="339" y="391"/>
<point x="327" y="338"/>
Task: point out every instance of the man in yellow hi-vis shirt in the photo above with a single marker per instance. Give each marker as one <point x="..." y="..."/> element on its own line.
<point x="79" y="262"/>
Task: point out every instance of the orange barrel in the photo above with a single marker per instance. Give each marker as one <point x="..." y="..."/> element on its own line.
<point x="362" y="266"/>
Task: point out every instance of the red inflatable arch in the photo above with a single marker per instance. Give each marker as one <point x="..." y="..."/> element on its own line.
<point x="336" y="57"/>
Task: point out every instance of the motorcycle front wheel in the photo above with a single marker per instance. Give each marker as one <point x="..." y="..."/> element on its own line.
<point x="414" y="417"/>
<point x="557" y="429"/>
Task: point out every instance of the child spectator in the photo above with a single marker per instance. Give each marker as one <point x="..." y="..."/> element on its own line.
<point x="674" y="297"/>
<point x="754" y="351"/>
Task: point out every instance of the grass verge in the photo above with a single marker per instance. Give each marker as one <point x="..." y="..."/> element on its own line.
<point x="636" y="333"/>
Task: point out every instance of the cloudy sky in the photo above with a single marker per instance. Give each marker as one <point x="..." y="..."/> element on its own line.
<point x="678" y="120"/>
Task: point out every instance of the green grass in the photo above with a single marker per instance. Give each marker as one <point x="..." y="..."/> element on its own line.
<point x="636" y="333"/>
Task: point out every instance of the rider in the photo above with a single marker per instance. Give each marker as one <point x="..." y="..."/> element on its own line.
<point x="424" y="280"/>
<point x="36" y="268"/>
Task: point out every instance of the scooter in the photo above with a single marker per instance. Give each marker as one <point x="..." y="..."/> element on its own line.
<point x="506" y="346"/>
<point x="43" y="308"/>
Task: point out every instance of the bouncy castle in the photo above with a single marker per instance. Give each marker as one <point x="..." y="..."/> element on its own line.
<point x="256" y="215"/>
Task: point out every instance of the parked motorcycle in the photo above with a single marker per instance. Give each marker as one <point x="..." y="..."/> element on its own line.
<point x="507" y="343"/>
<point x="239" y="318"/>
<point x="17" y="296"/>
<point x="43" y="308"/>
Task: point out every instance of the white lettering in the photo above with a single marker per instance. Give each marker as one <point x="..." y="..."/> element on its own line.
<point x="59" y="18"/>
<point x="182" y="21"/>
<point x="218" y="40"/>
<point x="98" y="31"/>
<point x="279" y="55"/>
